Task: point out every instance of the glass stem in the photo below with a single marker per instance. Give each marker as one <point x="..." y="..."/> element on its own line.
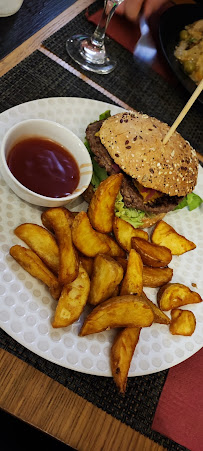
<point x="98" y="36"/>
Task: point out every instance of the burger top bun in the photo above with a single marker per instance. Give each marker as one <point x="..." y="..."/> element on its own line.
<point x="135" y="142"/>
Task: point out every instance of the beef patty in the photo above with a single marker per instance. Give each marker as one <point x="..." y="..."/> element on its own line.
<point x="131" y="196"/>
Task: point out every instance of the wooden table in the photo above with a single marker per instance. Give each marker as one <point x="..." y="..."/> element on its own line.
<point x="31" y="395"/>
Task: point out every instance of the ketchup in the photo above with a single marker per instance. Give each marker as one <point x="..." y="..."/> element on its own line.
<point x="44" y="167"/>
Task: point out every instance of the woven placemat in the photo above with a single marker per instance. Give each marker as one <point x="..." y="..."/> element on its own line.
<point x="134" y="82"/>
<point x="31" y="17"/>
<point x="39" y="77"/>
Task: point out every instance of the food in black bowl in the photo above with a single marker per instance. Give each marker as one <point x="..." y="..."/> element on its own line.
<point x="172" y="24"/>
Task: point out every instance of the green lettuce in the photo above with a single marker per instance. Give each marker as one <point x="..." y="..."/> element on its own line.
<point x="134" y="217"/>
<point x="105" y="115"/>
<point x="99" y="174"/>
<point x="191" y="201"/>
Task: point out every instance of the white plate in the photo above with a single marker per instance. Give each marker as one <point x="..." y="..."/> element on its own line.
<point x="27" y="309"/>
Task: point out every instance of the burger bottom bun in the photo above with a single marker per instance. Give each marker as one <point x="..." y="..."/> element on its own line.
<point x="147" y="221"/>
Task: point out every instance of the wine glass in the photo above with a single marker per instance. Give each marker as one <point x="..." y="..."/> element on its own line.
<point x="89" y="51"/>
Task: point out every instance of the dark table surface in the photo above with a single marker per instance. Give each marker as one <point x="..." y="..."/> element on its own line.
<point x="31" y="17"/>
<point x="31" y="75"/>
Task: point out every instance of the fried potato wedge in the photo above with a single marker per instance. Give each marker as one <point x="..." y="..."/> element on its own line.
<point x="41" y="242"/>
<point x="116" y="292"/>
<point x="156" y="277"/>
<point x="124" y="231"/>
<point x="151" y="254"/>
<point x="183" y="322"/>
<point x="101" y="207"/>
<point x="159" y="316"/>
<point x="175" y="295"/>
<point x="87" y="263"/>
<point x="123" y="262"/>
<point x="72" y="300"/>
<point x="121" y="355"/>
<point x="60" y="222"/>
<point x="106" y="276"/>
<point x="114" y="249"/>
<point x="85" y="238"/>
<point x="45" y="217"/>
<point x="133" y="280"/>
<point x="120" y="311"/>
<point x="165" y="235"/>
<point x="35" y="266"/>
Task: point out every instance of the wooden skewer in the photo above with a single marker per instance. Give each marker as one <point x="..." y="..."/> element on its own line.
<point x="184" y="111"/>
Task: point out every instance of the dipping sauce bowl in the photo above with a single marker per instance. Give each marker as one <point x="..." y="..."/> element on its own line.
<point x="49" y="158"/>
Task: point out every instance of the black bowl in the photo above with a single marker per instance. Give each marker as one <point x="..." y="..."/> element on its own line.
<point x="172" y="21"/>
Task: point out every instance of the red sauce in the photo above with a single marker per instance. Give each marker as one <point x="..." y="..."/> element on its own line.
<point x="44" y="167"/>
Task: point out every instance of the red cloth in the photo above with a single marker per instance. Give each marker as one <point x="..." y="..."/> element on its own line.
<point x="179" y="414"/>
<point x="127" y="34"/>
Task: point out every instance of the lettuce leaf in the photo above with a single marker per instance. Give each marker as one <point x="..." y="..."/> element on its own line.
<point x="105" y="115"/>
<point x="99" y="174"/>
<point x="134" y="217"/>
<point x="191" y="201"/>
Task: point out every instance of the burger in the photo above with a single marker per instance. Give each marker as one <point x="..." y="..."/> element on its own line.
<point x="157" y="178"/>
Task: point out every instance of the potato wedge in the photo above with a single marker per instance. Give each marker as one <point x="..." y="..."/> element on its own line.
<point x="124" y="231"/>
<point x="106" y="276"/>
<point x="116" y="292"/>
<point x="156" y="277"/>
<point x="121" y="355"/>
<point x="165" y="235"/>
<point x="45" y="217"/>
<point x="114" y="249"/>
<point x="174" y="295"/>
<point x="87" y="263"/>
<point x="72" y="300"/>
<point x="125" y="342"/>
<point x="123" y="262"/>
<point x="41" y="242"/>
<point x="85" y="238"/>
<point x="159" y="316"/>
<point x="183" y="322"/>
<point x="68" y="260"/>
<point x="133" y="280"/>
<point x="35" y="266"/>
<point x="151" y="254"/>
<point x="101" y="207"/>
<point x="120" y="311"/>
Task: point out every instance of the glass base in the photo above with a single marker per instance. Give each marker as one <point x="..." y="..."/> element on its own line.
<point x="89" y="56"/>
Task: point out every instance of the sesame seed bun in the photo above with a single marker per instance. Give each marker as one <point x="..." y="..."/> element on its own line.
<point x="150" y="221"/>
<point x="135" y="142"/>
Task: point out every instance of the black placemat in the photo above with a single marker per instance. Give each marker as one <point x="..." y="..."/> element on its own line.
<point x="31" y="17"/>
<point x="135" y="83"/>
<point x="39" y="77"/>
